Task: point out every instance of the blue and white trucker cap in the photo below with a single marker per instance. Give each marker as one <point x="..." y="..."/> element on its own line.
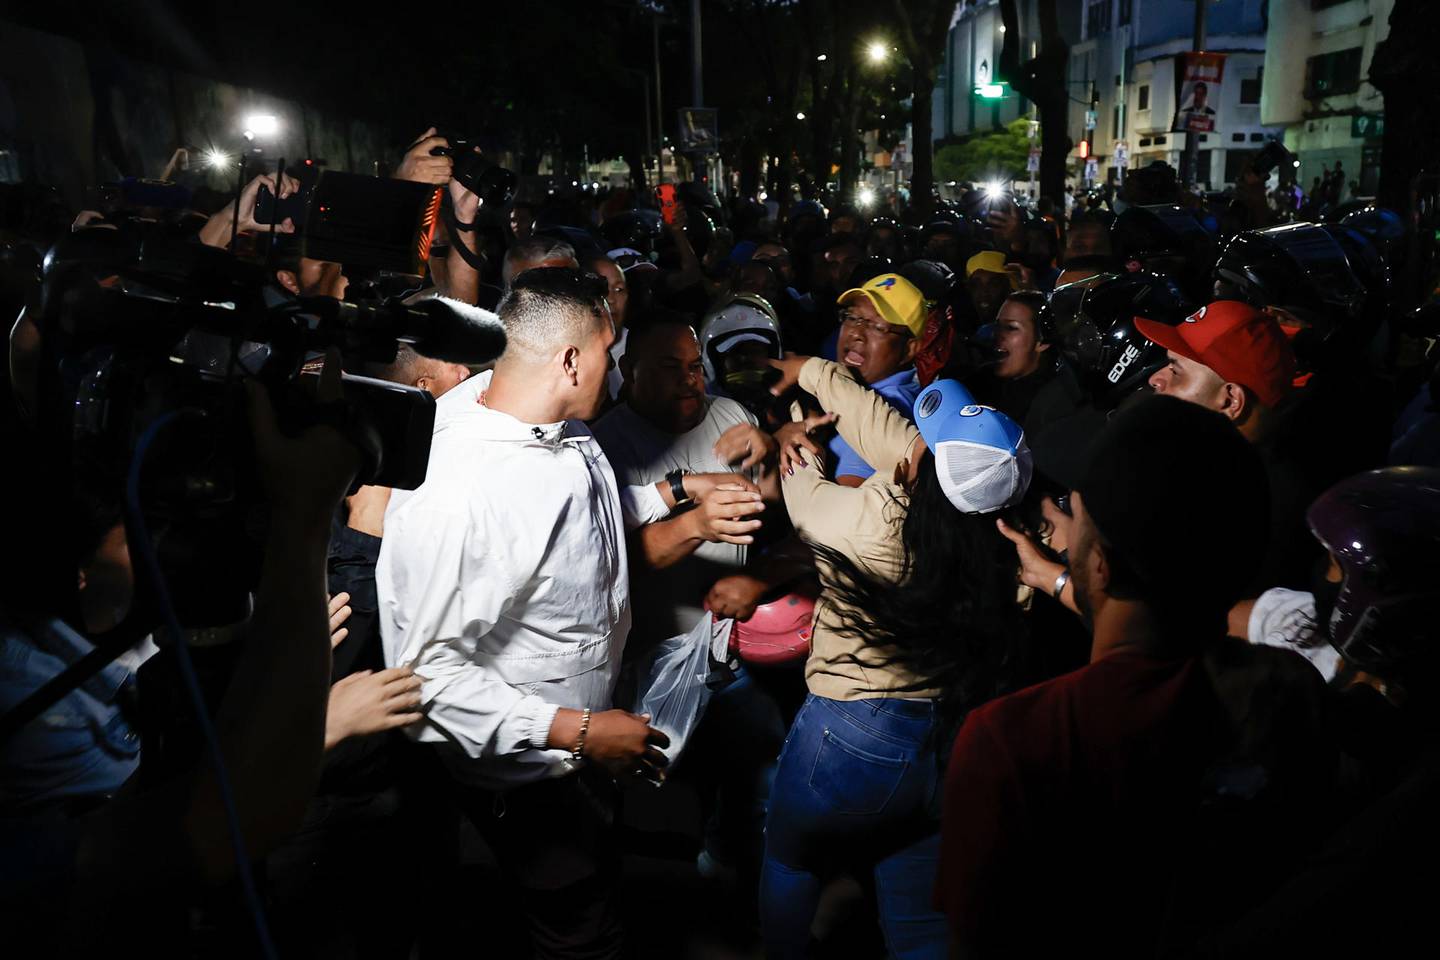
<point x="980" y="454"/>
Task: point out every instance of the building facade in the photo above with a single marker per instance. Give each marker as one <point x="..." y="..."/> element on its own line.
<point x="1317" y="61"/>
<point x="1124" y="71"/>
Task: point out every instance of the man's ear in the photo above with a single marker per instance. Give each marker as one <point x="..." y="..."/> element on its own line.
<point x="911" y="349"/>
<point x="288" y="280"/>
<point x="570" y="360"/>
<point x="1099" y="565"/>
<point x="1235" y="404"/>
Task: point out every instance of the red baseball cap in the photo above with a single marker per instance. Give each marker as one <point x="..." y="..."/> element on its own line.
<point x="1241" y="344"/>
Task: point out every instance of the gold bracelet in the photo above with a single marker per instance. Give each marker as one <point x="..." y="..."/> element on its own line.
<point x="578" y="752"/>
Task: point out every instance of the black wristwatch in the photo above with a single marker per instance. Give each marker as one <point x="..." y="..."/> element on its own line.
<point x="676" y="479"/>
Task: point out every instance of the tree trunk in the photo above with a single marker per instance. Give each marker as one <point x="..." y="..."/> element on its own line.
<point x="1407" y="72"/>
<point x="849" y="141"/>
<point x="1043" y="81"/>
<point x="922" y="136"/>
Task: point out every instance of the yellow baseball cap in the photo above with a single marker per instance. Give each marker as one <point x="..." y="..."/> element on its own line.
<point x="991" y="261"/>
<point x="898" y="301"/>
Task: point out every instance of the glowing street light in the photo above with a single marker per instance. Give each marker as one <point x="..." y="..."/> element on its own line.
<point x="877" y="52"/>
<point x="800" y="116"/>
<point x="261" y="125"/>
<point x="866" y="196"/>
<point x="822" y="58"/>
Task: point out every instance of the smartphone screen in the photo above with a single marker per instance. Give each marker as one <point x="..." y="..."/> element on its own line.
<point x="665" y="193"/>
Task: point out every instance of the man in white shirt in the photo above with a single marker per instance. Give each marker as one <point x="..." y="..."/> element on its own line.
<point x="502" y="582"/>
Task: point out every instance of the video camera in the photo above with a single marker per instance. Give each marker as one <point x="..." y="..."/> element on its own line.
<point x="149" y="337"/>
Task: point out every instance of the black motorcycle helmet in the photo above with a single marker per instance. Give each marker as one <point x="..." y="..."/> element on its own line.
<point x="1094" y="323"/>
<point x="633" y="229"/>
<point x="1166" y="239"/>
<point x="1380" y="225"/>
<point x="1307" y="270"/>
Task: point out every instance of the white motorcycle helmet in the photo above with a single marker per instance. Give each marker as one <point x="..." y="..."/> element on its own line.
<point x="746" y="318"/>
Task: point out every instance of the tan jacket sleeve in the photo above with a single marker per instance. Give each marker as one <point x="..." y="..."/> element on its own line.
<point x="876" y="430"/>
<point x="857" y="521"/>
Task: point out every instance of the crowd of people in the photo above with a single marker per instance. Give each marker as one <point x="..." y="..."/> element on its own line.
<point x="1066" y="575"/>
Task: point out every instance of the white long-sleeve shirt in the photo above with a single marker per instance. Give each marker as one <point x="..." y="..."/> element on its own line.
<point x="502" y="582"/>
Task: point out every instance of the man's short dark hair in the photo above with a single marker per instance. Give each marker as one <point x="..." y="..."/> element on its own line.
<point x="1181" y="503"/>
<point x="548" y="308"/>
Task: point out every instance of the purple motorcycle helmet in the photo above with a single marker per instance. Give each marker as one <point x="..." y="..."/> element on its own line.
<point x="1383" y="528"/>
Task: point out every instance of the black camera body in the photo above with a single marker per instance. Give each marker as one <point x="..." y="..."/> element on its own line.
<point x="153" y="336"/>
<point x="494" y="185"/>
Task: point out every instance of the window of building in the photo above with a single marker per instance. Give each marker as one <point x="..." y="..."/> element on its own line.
<point x="1257" y="138"/>
<point x="1144" y="141"/>
<point x="1123" y="15"/>
<point x="1097" y="17"/>
<point x="1331" y="74"/>
<point x="1238" y="137"/>
<point x="1204" y="137"/>
<point x="1160" y="141"/>
<point x="1250" y="89"/>
<point x="1144" y="96"/>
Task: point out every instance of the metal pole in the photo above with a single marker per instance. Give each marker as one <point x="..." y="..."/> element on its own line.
<point x="659" y="107"/>
<point x="1192" y="139"/>
<point x="649" y="128"/>
<point x="698" y="161"/>
<point x="697" y="85"/>
<point x="1124" y="98"/>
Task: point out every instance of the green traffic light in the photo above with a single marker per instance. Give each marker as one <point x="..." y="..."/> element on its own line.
<point x="990" y="91"/>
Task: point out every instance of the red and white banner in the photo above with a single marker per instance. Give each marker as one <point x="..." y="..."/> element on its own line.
<point x="1197" y="84"/>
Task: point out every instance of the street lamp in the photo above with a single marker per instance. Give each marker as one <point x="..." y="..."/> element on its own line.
<point x="800" y="116"/>
<point x="877" y="52"/>
<point x="822" y="58"/>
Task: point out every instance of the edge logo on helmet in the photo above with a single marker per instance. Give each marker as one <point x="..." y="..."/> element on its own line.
<point x="1127" y="358"/>
<point x="1198" y="315"/>
<point x="929" y="404"/>
<point x="971" y="410"/>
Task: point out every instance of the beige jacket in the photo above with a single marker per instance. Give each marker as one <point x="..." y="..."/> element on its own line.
<point x="861" y="522"/>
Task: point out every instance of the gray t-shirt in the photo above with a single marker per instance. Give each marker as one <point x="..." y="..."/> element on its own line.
<point x="667" y="602"/>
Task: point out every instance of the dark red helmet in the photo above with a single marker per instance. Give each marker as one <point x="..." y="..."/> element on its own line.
<point x="1383" y="527"/>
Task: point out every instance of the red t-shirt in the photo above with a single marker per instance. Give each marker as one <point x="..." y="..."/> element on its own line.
<point x="1072" y="808"/>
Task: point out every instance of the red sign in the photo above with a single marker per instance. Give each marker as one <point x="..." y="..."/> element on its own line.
<point x="1197" y="81"/>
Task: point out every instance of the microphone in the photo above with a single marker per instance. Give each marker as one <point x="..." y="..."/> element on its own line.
<point x="457" y="332"/>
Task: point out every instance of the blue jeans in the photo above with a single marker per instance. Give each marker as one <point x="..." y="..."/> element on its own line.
<point x="858" y="789"/>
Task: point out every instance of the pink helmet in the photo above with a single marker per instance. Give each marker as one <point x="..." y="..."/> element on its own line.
<point x="777" y="633"/>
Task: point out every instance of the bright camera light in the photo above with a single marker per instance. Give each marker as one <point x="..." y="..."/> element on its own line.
<point x="216" y="160"/>
<point x="262" y="125"/>
<point x="877" y="52"/>
<point x="866" y="196"/>
<point x="994" y="189"/>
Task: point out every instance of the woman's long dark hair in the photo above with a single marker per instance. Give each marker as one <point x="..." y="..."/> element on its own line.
<point x="952" y="618"/>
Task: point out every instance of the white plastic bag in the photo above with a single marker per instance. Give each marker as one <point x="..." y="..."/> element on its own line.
<point x="675" y="680"/>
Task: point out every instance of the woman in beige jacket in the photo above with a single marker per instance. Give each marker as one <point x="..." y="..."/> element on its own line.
<point x="916" y="622"/>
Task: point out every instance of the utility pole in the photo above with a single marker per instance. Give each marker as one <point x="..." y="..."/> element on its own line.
<point x="1124" y="99"/>
<point x="1191" y="160"/>
<point x="697" y="86"/>
<point x="659" y="107"/>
